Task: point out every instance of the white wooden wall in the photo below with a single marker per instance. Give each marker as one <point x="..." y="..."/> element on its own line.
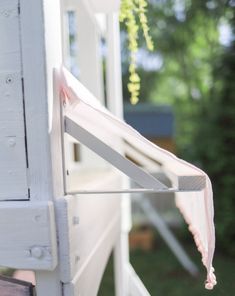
<point x="31" y="155"/>
<point x="41" y="52"/>
<point x="103" y="221"/>
<point x="13" y="155"/>
<point x="88" y="61"/>
<point x="30" y="169"/>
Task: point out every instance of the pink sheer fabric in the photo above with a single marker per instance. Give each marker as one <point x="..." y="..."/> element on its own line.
<point x="196" y="207"/>
<point x="198" y="211"/>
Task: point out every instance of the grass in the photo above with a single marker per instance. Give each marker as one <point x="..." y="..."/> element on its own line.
<point x="164" y="276"/>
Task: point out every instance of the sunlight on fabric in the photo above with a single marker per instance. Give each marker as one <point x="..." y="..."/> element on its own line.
<point x="94" y="126"/>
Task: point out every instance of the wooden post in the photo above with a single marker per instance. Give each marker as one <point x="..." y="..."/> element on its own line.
<point x="40" y="37"/>
<point x="115" y="105"/>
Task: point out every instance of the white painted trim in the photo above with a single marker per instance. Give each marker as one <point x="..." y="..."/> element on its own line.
<point x="127" y="191"/>
<point x="41" y="52"/>
<point x="121" y="257"/>
<point x="114" y="73"/>
<point x="28" y="237"/>
<point x="41" y="49"/>
<point x="35" y="87"/>
<point x="115" y="105"/>
<point x="47" y="283"/>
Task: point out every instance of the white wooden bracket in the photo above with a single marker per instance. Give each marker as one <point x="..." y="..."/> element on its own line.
<point x="87" y="121"/>
<point x="112" y="156"/>
<point x="129" y="191"/>
<point x="28" y="235"/>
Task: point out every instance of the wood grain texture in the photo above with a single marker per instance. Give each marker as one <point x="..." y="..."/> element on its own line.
<point x="13" y="171"/>
<point x="13" y="287"/>
<point x="27" y="233"/>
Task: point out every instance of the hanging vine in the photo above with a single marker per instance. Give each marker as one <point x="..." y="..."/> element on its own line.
<point x="133" y="15"/>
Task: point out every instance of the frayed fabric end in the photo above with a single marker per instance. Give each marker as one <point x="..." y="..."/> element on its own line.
<point x="211" y="280"/>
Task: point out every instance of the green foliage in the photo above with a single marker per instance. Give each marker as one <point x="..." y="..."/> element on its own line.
<point x="197" y="79"/>
<point x="217" y="145"/>
<point x="133" y="14"/>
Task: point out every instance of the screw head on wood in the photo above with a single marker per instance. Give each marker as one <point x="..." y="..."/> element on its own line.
<point x="9" y="79"/>
<point x="77" y="258"/>
<point x="11" y="142"/>
<point x="37" y="252"/>
<point x="38" y="218"/>
<point x="6" y="13"/>
<point x="75" y="220"/>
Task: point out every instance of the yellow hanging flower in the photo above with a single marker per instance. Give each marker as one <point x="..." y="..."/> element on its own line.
<point x="129" y="12"/>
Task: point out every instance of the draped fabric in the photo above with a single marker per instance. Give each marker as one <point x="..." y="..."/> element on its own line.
<point x="198" y="211"/>
<point x="196" y="207"/>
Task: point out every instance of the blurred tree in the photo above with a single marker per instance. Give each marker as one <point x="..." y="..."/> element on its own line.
<point x="180" y="71"/>
<point x="193" y="69"/>
<point x="217" y="144"/>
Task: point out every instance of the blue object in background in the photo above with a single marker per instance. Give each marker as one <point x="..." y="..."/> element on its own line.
<point x="150" y="120"/>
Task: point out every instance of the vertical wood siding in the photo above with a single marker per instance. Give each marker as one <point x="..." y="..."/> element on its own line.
<point x="13" y="159"/>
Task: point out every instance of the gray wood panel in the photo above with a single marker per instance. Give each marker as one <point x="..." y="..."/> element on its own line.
<point x="13" y="171"/>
